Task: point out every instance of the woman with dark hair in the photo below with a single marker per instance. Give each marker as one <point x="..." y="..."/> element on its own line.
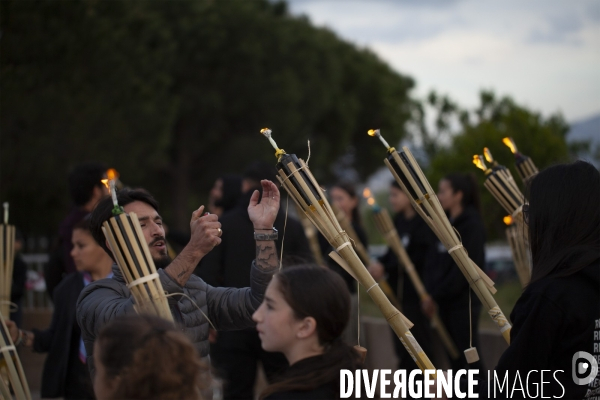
<point x="554" y="341"/>
<point x="65" y="371"/>
<point x="558" y="314"/>
<point x="146" y="357"/>
<point x="343" y="196"/>
<point x="303" y="316"/>
<point x="459" y="197"/>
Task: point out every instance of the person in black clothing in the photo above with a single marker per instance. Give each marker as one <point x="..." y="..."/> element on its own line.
<point x="65" y="371"/>
<point x="303" y="315"/>
<point x="558" y="314"/>
<point x="450" y="291"/>
<point x="344" y="197"/>
<point x="225" y="194"/>
<point x="19" y="279"/>
<point x="416" y="237"/>
<point x="86" y="189"/>
<point x="236" y="353"/>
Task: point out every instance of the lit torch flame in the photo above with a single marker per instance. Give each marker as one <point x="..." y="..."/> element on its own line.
<point x="478" y="161"/>
<point x="371" y="201"/>
<point x="511" y="144"/>
<point x="112" y="174"/>
<point x="373" y="132"/>
<point x="508" y="220"/>
<point x="488" y="155"/>
<point x="105" y="182"/>
<point x="367" y="193"/>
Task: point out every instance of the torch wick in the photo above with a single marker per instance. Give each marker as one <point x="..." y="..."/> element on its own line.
<point x="385" y="143"/>
<point x="113" y="192"/>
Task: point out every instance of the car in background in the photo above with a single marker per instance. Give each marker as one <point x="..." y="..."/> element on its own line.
<point x="499" y="265"/>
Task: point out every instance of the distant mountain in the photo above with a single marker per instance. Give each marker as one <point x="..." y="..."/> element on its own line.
<point x="587" y="130"/>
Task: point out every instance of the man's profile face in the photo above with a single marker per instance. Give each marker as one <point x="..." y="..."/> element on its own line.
<point x="152" y="228"/>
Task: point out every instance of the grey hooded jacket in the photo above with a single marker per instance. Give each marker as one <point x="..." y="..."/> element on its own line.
<point x="227" y="308"/>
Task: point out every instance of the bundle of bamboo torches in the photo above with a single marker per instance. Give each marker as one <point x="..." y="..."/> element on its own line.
<point x="413" y="182"/>
<point x="363" y="254"/>
<point x="386" y="227"/>
<point x="126" y="240"/>
<point x="518" y="246"/>
<point x="7" y="258"/>
<point x="301" y="185"/>
<point x="11" y="368"/>
<point x="525" y="166"/>
<point x="500" y="183"/>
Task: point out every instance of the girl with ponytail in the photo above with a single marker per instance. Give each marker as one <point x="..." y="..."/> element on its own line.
<point x="303" y="315"/>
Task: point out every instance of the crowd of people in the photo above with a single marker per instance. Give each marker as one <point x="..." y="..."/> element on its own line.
<point x="245" y="290"/>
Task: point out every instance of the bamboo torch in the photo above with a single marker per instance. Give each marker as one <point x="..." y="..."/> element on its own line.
<point x="386" y="227"/>
<point x="126" y="240"/>
<point x="7" y="258"/>
<point x="363" y="254"/>
<point x="411" y="179"/>
<point x="11" y="368"/>
<point x="501" y="185"/>
<point x="525" y="166"/>
<point x="519" y="249"/>
<point x="311" y="235"/>
<point x="298" y="181"/>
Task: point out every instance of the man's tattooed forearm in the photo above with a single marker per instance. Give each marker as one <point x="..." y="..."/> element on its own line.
<point x="266" y="256"/>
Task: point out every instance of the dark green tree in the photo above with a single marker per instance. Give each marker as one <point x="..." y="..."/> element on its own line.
<point x="172" y="94"/>
<point x="541" y="138"/>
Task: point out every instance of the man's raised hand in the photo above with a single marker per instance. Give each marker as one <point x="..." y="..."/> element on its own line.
<point x="206" y="231"/>
<point x="263" y="214"/>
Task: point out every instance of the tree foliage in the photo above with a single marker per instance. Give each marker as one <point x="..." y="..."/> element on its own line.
<point x="173" y="94"/>
<point x="541" y="138"/>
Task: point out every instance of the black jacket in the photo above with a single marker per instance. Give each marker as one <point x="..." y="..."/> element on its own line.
<point x="417" y="238"/>
<point x="57" y="339"/>
<point x="553" y="319"/>
<point x="228" y="263"/>
<point x="443" y="279"/>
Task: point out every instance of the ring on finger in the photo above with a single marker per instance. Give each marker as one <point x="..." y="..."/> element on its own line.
<point x="220" y="232"/>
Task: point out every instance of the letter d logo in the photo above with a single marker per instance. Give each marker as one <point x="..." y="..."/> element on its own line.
<point x="589" y="366"/>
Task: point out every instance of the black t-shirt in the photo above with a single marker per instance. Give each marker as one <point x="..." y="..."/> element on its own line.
<point x="416" y="238"/>
<point x="443" y="278"/>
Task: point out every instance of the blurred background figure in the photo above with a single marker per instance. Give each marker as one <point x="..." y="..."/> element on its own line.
<point x="416" y="238"/>
<point x="86" y="189"/>
<point x="225" y="194"/>
<point x="146" y="357"/>
<point x="236" y="353"/>
<point x="343" y="196"/>
<point x="459" y="196"/>
<point x="19" y="279"/>
<point x="65" y="371"/>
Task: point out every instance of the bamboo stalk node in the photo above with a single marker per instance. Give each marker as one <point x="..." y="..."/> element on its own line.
<point x="343" y="245"/>
<point x="142" y="280"/>
<point x="375" y="284"/>
<point x="453" y="249"/>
